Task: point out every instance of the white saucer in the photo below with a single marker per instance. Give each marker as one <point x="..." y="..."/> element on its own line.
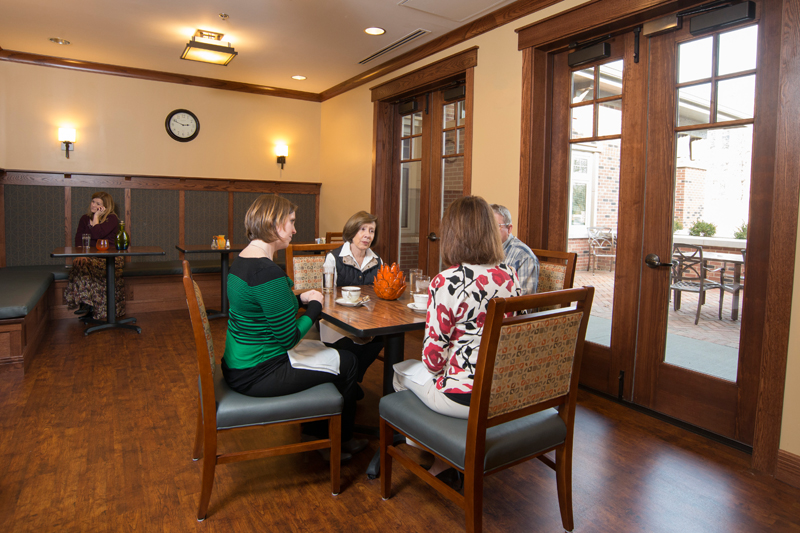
<point x="420" y="309"/>
<point x="348" y="303"/>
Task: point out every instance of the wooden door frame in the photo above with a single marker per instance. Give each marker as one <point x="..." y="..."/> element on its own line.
<point x="764" y="350"/>
<point x="385" y="98"/>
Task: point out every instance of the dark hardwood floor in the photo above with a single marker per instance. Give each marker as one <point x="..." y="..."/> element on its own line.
<point x="98" y="437"/>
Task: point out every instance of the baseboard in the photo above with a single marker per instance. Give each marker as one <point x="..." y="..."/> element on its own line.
<point x="788" y="469"/>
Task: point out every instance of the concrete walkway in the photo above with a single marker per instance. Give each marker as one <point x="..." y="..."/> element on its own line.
<point x="710" y="347"/>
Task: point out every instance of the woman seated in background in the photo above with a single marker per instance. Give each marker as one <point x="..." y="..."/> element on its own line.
<point x="263" y="323"/>
<point x="355" y="264"/>
<point x="87" y="278"/>
<point x="457" y="301"/>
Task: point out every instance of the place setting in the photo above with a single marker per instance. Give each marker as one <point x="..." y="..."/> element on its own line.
<point x="351" y="297"/>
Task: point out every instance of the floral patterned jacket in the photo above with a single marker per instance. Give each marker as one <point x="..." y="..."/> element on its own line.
<point x="458" y="298"/>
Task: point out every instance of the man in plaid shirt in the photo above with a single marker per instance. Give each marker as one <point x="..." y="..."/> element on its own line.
<point x="518" y="254"/>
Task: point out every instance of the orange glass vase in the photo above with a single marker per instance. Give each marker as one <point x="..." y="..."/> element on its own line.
<point x="390" y="282"/>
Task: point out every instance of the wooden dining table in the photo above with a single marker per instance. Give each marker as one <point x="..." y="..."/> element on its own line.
<point x="109" y="255"/>
<point x="224" y="254"/>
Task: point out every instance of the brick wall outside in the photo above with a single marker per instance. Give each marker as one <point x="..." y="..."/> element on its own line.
<point x="689" y="195"/>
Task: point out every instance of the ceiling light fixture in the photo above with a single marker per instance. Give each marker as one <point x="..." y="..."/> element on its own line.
<point x="223" y="16"/>
<point x="375" y="31"/>
<point x="207" y="47"/>
<point x="298" y="77"/>
<point x="59" y="41"/>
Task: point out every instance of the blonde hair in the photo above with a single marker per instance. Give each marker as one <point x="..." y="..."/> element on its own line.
<point x="265" y="215"/>
<point x="108" y="203"/>
<point x="470" y="233"/>
<point x="353" y="225"/>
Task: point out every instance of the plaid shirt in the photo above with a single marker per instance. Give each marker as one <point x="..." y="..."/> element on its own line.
<point x="520" y="256"/>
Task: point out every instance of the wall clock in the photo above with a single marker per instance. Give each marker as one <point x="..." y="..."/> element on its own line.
<point x="182" y="125"/>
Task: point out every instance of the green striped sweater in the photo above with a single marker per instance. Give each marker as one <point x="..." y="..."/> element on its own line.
<point x="262" y="321"/>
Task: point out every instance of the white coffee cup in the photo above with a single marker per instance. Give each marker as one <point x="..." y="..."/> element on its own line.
<point x="421" y="299"/>
<point x="351" y="294"/>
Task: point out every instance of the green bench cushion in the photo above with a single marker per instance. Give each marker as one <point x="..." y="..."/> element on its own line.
<point x="21" y="288"/>
<point x="169" y="268"/>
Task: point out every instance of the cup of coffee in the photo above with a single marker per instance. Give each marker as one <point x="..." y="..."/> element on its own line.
<point x="421" y="299"/>
<point x="351" y="294"/>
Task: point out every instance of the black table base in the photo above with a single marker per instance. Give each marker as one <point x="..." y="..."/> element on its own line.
<point x="111" y="306"/>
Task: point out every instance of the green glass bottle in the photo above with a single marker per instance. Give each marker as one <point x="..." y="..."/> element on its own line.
<point x="122" y="237"/>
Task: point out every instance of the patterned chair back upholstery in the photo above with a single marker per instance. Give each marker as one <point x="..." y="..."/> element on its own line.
<point x="307" y="271"/>
<point x="556" y="271"/>
<point x="534" y="362"/>
<point x="304" y="269"/>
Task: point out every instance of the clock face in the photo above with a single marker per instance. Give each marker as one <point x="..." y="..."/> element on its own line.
<point x="182" y="125"/>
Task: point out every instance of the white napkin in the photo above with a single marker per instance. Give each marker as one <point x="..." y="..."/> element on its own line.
<point x="314" y="355"/>
<point x="414" y="370"/>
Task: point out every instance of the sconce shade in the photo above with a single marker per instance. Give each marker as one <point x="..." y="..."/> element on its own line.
<point x="66" y="134"/>
<point x="199" y="49"/>
<point x="281" y="150"/>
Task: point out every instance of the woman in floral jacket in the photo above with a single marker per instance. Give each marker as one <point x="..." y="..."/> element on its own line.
<point x="457" y="302"/>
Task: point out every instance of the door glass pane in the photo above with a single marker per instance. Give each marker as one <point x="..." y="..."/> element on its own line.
<point x="582" y="121"/>
<point x="417" y="123"/>
<point x="737" y="50"/>
<point x="594" y="218"/>
<point x="449" y="116"/>
<point x="452" y="183"/>
<point x="694" y="104"/>
<point x="406" y="126"/>
<point x="610" y="79"/>
<point x="694" y="60"/>
<point x="449" y="142"/>
<point x="461" y="137"/>
<point x="712" y="198"/>
<point x="416" y="147"/>
<point x="736" y="98"/>
<point x="462" y="113"/>
<point x="410" y="181"/>
<point x="582" y="85"/>
<point x="609" y="120"/>
<point x="405" y="149"/>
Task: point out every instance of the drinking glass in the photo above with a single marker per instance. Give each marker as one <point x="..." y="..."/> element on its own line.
<point x="422" y="283"/>
<point x="87" y="240"/>
<point x="102" y="244"/>
<point x="413" y="274"/>
<point x="328" y="279"/>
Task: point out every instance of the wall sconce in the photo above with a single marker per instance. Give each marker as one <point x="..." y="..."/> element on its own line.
<point x="281" y="151"/>
<point x="67" y="138"/>
<point x="207" y="47"/>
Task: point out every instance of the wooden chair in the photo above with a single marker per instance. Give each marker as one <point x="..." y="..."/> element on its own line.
<point x="523" y="403"/>
<point x="234" y="411"/>
<point x="556" y="270"/>
<point x="304" y="264"/>
<point x="333" y="236"/>
<point x="690" y="274"/>
<point x="602" y="243"/>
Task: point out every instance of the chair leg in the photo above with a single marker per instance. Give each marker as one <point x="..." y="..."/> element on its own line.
<point x="335" y="434"/>
<point x="699" y="304"/>
<point x="564" y="485"/>
<point x="473" y="500"/>
<point x="207" y="482"/>
<point x="387" y="436"/>
<point x="721" y="298"/>
<point x="197" y="453"/>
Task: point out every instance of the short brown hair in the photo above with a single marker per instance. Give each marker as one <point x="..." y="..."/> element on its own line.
<point x="265" y="215"/>
<point x="354" y="224"/>
<point x="470" y="233"/>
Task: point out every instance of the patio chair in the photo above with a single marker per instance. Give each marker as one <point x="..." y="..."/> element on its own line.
<point x="689" y="274"/>
<point x="728" y="280"/>
<point x="523" y="403"/>
<point x="602" y="243"/>
<point x="221" y="409"/>
<point x="304" y="264"/>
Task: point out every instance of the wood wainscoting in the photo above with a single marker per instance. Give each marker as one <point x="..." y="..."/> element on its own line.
<point x="788" y="469"/>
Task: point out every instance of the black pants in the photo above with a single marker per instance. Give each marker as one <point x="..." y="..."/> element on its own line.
<point x="277" y="377"/>
<point x="365" y="353"/>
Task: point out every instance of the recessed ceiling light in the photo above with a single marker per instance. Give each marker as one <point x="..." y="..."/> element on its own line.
<point x="298" y="77"/>
<point x="375" y="31"/>
<point x="223" y="16"/>
<point x="59" y="41"/>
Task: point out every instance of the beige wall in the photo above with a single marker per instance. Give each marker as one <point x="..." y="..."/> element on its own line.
<point x="790" y="429"/>
<point x="120" y="127"/>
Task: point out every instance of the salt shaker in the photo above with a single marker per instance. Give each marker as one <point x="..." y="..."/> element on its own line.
<point x="214" y="245"/>
<point x="227" y="244"/>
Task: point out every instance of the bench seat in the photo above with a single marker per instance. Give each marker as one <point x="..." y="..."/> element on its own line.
<point x="21" y="288"/>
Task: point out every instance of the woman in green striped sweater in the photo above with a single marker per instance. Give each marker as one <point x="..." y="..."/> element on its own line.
<point x="263" y="322"/>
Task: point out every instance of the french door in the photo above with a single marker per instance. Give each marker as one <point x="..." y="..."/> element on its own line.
<point x="430" y="142"/>
<point x="653" y="145"/>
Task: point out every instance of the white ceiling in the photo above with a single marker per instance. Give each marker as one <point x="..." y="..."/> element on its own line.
<point x="276" y="39"/>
